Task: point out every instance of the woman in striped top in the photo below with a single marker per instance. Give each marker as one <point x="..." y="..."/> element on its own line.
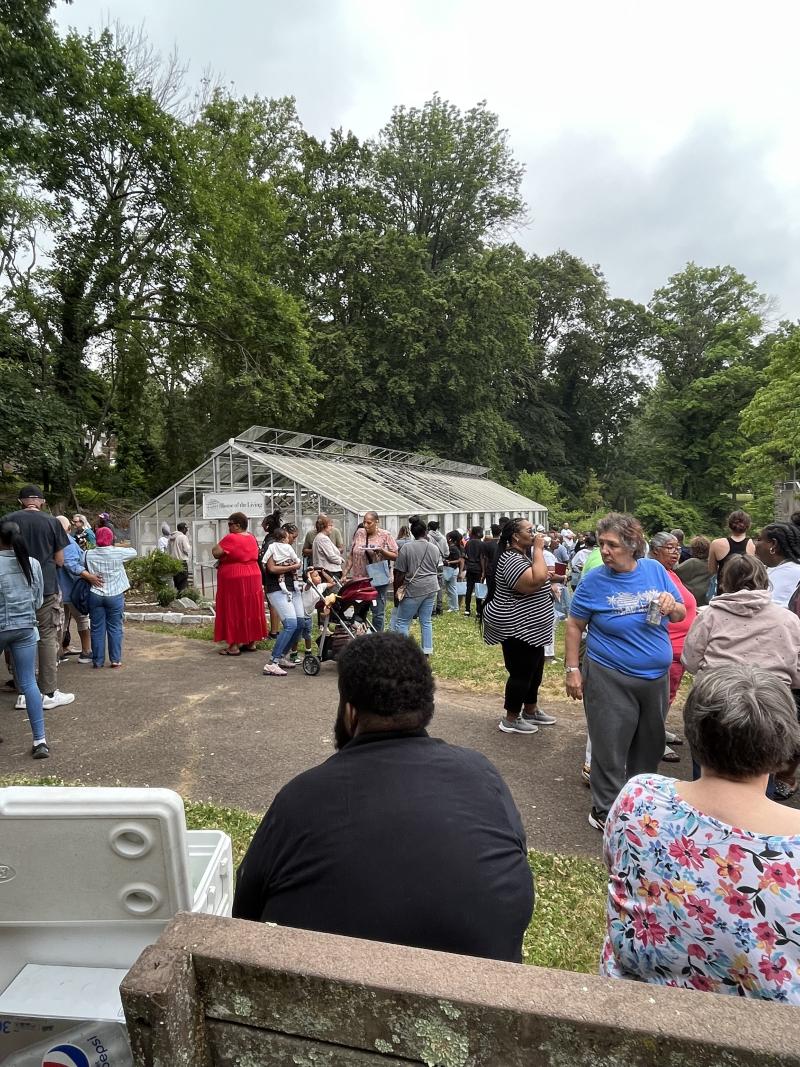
<point x="518" y="615"/>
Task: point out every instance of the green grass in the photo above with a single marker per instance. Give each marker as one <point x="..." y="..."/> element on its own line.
<point x="568" y="924"/>
<point x="459" y="654"/>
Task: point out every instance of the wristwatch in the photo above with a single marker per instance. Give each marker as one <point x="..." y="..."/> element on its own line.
<point x="569" y="670"/>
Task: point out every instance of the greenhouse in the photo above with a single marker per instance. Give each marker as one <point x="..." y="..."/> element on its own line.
<point x="302" y="475"/>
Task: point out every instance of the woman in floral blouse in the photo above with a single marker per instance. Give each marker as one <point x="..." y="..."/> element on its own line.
<point x="704" y="887"/>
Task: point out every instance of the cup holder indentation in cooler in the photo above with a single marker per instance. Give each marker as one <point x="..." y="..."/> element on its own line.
<point x="140" y="899"/>
<point x="131" y="841"/>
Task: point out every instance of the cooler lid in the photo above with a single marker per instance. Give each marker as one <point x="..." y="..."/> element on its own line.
<point x="92" y="855"/>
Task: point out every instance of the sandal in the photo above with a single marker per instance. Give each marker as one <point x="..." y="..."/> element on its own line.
<point x="227" y="652"/>
<point x="248" y="648"/>
<point x="784" y="790"/>
<point x="670" y="756"/>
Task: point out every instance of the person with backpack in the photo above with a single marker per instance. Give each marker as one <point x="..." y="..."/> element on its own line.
<point x="21" y="595"/>
<point x="72" y="572"/>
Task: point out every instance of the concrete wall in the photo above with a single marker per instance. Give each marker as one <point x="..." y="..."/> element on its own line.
<point x="226" y="992"/>
<point x="787" y="500"/>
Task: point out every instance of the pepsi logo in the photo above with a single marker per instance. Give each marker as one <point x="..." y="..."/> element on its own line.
<point x="65" y="1056"/>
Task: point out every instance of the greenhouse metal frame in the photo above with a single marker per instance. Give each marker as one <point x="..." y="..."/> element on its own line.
<point x="302" y="475"/>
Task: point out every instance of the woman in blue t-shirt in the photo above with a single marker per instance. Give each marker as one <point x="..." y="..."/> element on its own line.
<point x="624" y="680"/>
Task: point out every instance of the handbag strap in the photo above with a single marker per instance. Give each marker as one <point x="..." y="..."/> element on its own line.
<point x="407" y="581"/>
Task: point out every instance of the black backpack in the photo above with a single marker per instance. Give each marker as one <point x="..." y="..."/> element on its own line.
<point x="79" y="596"/>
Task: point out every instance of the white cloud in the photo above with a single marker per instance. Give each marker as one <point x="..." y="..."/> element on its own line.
<point x="653" y="132"/>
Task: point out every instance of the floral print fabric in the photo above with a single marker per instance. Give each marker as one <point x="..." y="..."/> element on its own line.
<point x="693" y="902"/>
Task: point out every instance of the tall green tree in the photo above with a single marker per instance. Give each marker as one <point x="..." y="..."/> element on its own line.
<point x="579" y="392"/>
<point x="770" y="423"/>
<point x="448" y="177"/>
<point x="709" y="321"/>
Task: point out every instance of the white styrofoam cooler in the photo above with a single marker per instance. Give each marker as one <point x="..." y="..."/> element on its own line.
<point x="88" y="878"/>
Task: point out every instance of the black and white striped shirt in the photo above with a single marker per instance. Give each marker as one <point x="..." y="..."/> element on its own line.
<point x="526" y="616"/>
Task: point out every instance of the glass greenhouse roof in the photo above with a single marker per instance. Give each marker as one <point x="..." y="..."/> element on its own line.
<point x="357" y="477"/>
<point x="391" y="488"/>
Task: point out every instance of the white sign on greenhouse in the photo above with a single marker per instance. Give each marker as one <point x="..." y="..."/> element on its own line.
<point x="221" y="505"/>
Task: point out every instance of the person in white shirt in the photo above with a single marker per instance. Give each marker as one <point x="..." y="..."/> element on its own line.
<point x="778" y="548"/>
<point x="325" y="554"/>
<point x="107" y="601"/>
<point x="568" y="537"/>
<point x="281" y="552"/>
<point x="163" y="541"/>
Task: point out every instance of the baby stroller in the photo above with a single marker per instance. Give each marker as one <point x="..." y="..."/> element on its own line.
<point x="346" y="621"/>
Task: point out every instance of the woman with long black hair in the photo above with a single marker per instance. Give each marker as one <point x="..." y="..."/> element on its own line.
<point x="518" y="615"/>
<point x="21" y="593"/>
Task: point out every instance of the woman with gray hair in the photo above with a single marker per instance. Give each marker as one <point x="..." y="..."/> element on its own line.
<point x="626" y="604"/>
<point x="704" y="876"/>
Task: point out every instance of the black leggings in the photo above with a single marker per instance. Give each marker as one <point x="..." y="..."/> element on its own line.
<point x="525" y="666"/>
<point x="472" y="580"/>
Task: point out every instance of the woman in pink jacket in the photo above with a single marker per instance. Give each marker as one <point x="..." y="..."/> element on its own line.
<point x="743" y="625"/>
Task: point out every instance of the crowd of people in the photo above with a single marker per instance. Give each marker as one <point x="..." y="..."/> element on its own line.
<point x="704" y="875"/>
<point x="54" y="572"/>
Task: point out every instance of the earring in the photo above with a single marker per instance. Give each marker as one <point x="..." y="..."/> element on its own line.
<point x="771" y="550"/>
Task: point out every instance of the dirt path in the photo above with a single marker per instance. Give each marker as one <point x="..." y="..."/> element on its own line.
<point x="181" y="716"/>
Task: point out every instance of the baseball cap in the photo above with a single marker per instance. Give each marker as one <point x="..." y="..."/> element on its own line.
<point x="29" y="491"/>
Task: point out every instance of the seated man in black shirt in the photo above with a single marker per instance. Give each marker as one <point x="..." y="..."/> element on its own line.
<point x="399" y="836"/>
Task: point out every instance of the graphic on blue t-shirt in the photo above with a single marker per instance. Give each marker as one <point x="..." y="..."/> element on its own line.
<point x="630" y="603"/>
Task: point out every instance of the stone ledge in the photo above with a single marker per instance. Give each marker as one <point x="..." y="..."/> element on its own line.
<point x="171" y="618"/>
<point x="268" y="995"/>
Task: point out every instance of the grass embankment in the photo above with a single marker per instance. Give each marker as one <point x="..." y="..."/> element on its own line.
<point x="459" y="654"/>
<point x="567" y="926"/>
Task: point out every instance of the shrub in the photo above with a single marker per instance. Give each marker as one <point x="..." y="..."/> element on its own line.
<point x="153" y="574"/>
<point x="165" y="594"/>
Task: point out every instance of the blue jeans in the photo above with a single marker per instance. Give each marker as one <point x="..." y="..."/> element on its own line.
<point x="105" y="615"/>
<point x="449" y="585"/>
<point x="292" y="615"/>
<point x="379" y="608"/>
<point x="22" y="646"/>
<point x="404" y="614"/>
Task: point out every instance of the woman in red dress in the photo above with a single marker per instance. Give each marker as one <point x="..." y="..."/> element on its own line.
<point x="240" y="620"/>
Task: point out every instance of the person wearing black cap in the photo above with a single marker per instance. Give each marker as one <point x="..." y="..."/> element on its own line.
<point x="45" y="540"/>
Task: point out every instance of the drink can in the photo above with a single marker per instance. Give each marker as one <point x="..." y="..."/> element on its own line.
<point x="88" y="1044"/>
<point x="654" y="612"/>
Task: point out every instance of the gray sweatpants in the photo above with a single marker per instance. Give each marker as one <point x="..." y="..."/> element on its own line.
<point x="625" y="717"/>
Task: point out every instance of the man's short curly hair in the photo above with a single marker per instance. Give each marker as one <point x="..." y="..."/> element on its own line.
<point x="386" y="675"/>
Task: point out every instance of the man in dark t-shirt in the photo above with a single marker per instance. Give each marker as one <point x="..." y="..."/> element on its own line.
<point x="45" y="540"/>
<point x="399" y="836"/>
<point x="489" y="547"/>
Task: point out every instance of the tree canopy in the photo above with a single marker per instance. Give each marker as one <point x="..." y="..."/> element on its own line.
<point x="176" y="265"/>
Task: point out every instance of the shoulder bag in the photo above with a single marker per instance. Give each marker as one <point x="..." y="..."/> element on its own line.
<point x="400" y="593"/>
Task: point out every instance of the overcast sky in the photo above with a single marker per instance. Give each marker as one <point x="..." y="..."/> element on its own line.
<point x="652" y="132"/>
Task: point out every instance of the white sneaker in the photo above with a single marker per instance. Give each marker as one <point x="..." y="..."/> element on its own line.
<point x="20" y="704"/>
<point x="57" y="700"/>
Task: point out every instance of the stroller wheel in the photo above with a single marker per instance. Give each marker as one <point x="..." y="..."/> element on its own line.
<point x="311" y="665"/>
